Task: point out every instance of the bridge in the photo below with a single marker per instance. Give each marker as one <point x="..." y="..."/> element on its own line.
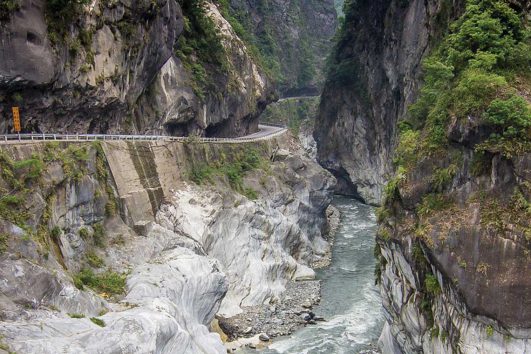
<point x="266" y="132"/>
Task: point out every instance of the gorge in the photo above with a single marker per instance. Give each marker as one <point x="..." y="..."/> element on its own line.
<point x="388" y="213"/>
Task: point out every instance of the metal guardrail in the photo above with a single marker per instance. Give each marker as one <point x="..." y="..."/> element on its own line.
<point x="117" y="137"/>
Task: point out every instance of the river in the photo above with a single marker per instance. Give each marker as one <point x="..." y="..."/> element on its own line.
<point x="350" y="300"/>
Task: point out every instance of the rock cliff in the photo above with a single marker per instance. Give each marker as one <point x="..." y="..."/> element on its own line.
<point x="134" y="247"/>
<point x="427" y="97"/>
<point x="293" y="37"/>
<point x="128" y="67"/>
<point x="374" y="76"/>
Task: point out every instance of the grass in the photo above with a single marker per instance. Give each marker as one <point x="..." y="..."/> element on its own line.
<point x="99" y="237"/>
<point x="442" y="177"/>
<point x="84" y="233"/>
<point x="432" y="203"/>
<point x="490" y="331"/>
<point x="98" y="322"/>
<point x="431" y="285"/>
<point x="3" y="242"/>
<point x="234" y="170"/>
<point x="107" y="283"/>
<point x="94" y="260"/>
<point x="76" y="315"/>
<point x="512" y="215"/>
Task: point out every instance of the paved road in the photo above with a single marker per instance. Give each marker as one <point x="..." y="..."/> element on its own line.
<point x="295" y="98"/>
<point x="265" y="132"/>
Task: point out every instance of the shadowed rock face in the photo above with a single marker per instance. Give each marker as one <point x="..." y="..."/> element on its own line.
<point x="374" y="78"/>
<point x="26" y="54"/>
<point x="126" y="78"/>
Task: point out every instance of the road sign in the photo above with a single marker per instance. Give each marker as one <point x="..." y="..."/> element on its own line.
<point x="16" y="119"/>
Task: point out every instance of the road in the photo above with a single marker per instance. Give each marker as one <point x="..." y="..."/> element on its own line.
<point x="295" y="98"/>
<point x="265" y="132"/>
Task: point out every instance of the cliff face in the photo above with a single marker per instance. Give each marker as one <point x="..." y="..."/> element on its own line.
<point x="442" y="113"/>
<point x="294" y="38"/>
<point x="128" y="67"/>
<point x="374" y="77"/>
<point x="112" y="247"/>
<point x="454" y="235"/>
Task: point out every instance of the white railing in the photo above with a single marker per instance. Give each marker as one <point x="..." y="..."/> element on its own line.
<point x="114" y="137"/>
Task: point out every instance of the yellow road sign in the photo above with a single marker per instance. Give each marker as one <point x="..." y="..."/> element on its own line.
<point x="16" y="119"/>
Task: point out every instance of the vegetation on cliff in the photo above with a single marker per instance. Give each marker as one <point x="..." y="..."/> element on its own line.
<point x="479" y="72"/>
<point x="200" y="47"/>
<point x="460" y="166"/>
<point x="232" y="165"/>
<point x="478" y="77"/>
<point x="281" y="37"/>
<point x="7" y="7"/>
<point x="294" y="113"/>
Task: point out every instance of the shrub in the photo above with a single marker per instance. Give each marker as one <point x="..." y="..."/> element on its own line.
<point x="250" y="193"/>
<point x="200" y="174"/>
<point x="475" y="90"/>
<point x="200" y="46"/>
<point x="60" y="14"/>
<point x="481" y="164"/>
<point x="512" y="116"/>
<point x="56" y="233"/>
<point x="406" y="153"/>
<point x="94" y="261"/>
<point x="109" y="283"/>
<point x="468" y="76"/>
<point x="7" y="7"/>
<point x="29" y="169"/>
<point x="11" y="200"/>
<point x="3" y="242"/>
<point x="84" y="233"/>
<point x="487" y="26"/>
<point x="431" y="203"/>
<point x="110" y="208"/>
<point x="99" y="236"/>
<point x="442" y="177"/>
<point x="432" y="285"/>
<point x="434" y="333"/>
<point x="243" y="162"/>
<point x="382" y="214"/>
<point x="76" y="315"/>
<point x="392" y="189"/>
<point x="98" y="321"/>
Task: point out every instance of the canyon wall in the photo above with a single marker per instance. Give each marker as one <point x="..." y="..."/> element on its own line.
<point x="411" y="118"/>
<point x="162" y="67"/>
<point x="374" y="76"/>
<point x="294" y="38"/>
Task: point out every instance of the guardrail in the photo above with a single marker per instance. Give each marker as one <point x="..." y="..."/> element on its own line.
<point x="13" y="138"/>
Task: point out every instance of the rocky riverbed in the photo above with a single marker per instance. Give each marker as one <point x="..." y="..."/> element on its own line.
<point x="258" y="325"/>
<point x="279" y="319"/>
<point x="347" y="318"/>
